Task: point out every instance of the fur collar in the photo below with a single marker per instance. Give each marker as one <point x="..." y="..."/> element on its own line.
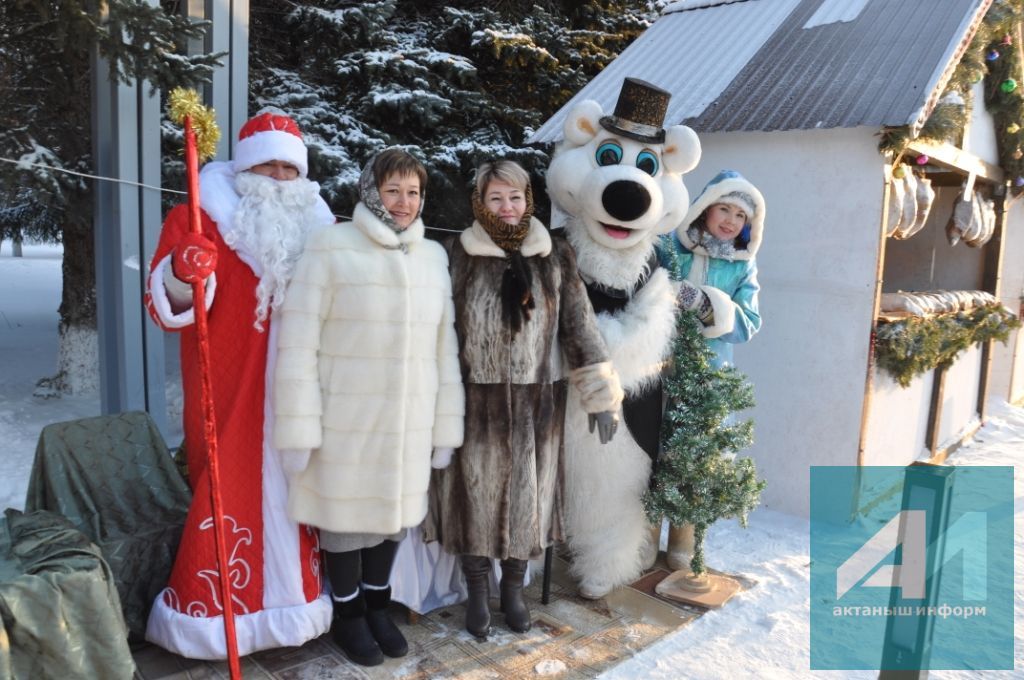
<point x="476" y="242"/>
<point x="382" y="234"/>
<point x="612" y="269"/>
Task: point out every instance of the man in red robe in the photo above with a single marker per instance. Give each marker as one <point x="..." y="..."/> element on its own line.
<point x="256" y="213"/>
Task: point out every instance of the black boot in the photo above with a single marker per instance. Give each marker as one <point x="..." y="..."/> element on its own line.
<point x="352" y="632"/>
<point x="517" y="615"/>
<point x="477" y="571"/>
<point x="385" y="632"/>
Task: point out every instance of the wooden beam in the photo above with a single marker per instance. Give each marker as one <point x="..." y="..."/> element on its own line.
<point x="883" y="228"/>
<point x="931" y="435"/>
<point x="946" y="155"/>
<point x="991" y="281"/>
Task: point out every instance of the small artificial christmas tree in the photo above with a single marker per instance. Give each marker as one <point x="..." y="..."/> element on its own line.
<point x="698" y="480"/>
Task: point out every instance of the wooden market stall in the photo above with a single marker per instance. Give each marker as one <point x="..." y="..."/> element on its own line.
<point x="934" y="412"/>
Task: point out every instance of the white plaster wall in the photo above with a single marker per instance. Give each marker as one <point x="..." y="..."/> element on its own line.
<point x="980" y="138"/>
<point x="823" y="190"/>
<point x="898" y="419"/>
<point x="960" y="395"/>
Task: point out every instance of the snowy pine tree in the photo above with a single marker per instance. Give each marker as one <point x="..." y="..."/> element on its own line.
<point x="45" y="49"/>
<point x="698" y="479"/>
<point x="455" y="83"/>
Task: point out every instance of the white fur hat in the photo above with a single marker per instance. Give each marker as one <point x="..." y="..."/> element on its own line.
<point x="729" y="186"/>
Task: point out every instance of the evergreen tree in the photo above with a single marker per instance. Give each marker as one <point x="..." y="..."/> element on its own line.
<point x="45" y="48"/>
<point x="698" y="480"/>
<point x="455" y="83"/>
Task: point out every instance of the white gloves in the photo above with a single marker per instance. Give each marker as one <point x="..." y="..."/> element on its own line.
<point x="442" y="457"/>
<point x="294" y="461"/>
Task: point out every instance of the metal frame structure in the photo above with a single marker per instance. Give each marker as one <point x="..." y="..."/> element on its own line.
<point x="127" y="219"/>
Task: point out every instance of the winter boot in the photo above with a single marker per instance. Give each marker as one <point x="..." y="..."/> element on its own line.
<point x="352" y="632"/>
<point x="680" y="546"/>
<point x="477" y="571"/>
<point x="385" y="632"/>
<point x="517" y="615"/>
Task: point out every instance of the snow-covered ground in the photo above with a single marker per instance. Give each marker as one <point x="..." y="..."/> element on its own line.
<point x="762" y="633"/>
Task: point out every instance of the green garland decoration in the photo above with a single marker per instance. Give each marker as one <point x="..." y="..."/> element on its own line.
<point x="909" y="347"/>
<point x="948" y="119"/>
<point x="695" y="481"/>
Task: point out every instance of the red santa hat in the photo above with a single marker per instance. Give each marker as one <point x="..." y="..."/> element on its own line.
<point x="270" y="137"/>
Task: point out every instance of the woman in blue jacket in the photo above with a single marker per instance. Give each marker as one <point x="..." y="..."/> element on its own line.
<point x="712" y="254"/>
<point x="714" y="251"/>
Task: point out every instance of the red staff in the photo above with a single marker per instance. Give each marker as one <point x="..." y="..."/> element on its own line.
<point x="186" y="109"/>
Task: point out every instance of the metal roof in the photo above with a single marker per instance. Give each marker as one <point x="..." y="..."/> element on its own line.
<point x="792" y="64"/>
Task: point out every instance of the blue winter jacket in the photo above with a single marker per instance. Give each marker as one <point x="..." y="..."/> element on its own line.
<point x="737" y="279"/>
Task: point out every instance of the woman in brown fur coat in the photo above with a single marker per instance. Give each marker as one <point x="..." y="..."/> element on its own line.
<point x="524" y="325"/>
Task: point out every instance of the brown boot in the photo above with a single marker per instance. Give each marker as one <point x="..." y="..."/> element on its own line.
<point x="477" y="571"/>
<point x="517" y="615"/>
<point x="680" y="546"/>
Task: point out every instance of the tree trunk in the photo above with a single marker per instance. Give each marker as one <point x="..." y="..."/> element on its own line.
<point x="78" y="358"/>
<point x="16" y="244"/>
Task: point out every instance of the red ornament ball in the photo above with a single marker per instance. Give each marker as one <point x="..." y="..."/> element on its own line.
<point x="922" y="159"/>
<point x="1007" y="40"/>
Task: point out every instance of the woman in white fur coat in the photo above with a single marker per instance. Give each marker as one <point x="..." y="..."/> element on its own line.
<point x="524" y="324"/>
<point x="367" y="384"/>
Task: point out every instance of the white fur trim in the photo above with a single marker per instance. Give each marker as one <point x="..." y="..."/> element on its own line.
<point x="381" y="233"/>
<point x="478" y="243"/>
<point x="203" y="637"/>
<point x="282" y="575"/>
<point x="682" y="149"/>
<point x="709" y="197"/>
<point x="615" y="268"/>
<point x="162" y="303"/>
<point x="271" y="145"/>
<point x="598" y="386"/>
<point x="725" y="313"/>
<point x="639" y="336"/>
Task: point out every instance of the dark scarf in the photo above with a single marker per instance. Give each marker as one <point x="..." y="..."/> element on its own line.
<point x="517" y="282"/>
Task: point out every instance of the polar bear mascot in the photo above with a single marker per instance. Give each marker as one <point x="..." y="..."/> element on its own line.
<point x="619" y="178"/>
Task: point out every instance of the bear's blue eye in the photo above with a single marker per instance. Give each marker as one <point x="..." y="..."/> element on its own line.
<point x="609" y="153"/>
<point x="648" y="162"/>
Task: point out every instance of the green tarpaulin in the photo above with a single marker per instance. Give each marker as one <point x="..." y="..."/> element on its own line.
<point x="60" y="610"/>
<point x="113" y="477"/>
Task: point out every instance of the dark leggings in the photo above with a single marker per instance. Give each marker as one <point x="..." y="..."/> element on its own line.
<point x="371" y="566"/>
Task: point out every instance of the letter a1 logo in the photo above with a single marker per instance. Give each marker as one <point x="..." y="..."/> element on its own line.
<point x="966" y="538"/>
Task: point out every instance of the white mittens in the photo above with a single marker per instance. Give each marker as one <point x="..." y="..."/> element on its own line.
<point x="442" y="457"/>
<point x="294" y="461"/>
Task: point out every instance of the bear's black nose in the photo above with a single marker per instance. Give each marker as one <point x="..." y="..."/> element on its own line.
<point x="625" y="200"/>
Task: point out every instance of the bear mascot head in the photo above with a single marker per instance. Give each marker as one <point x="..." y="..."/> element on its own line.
<point x="619" y="177"/>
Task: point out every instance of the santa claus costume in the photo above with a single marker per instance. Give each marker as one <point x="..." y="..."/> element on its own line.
<point x="257" y="225"/>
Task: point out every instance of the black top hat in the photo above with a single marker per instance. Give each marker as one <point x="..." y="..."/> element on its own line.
<point x="640" y="112"/>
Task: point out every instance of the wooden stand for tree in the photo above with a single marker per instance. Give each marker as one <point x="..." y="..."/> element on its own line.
<point x="708" y="590"/>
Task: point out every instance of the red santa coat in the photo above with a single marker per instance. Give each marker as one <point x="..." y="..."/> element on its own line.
<point x="274" y="563"/>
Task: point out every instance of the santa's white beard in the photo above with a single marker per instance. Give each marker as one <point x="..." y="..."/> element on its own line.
<point x="270" y="227"/>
